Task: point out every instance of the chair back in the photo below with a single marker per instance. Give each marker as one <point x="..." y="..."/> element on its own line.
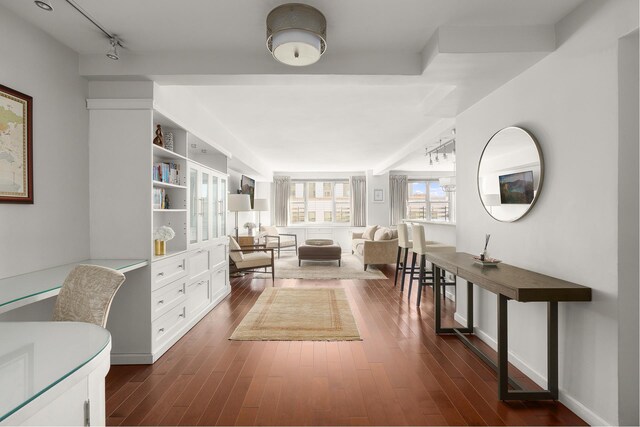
<point x="86" y="295"/>
<point x="403" y="236"/>
<point x="419" y="242"/>
<point x="270" y="230"/>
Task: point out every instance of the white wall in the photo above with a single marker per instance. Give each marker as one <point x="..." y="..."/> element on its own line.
<point x="569" y="100"/>
<point x="55" y="229"/>
<point x="628" y="229"/>
<point x="377" y="213"/>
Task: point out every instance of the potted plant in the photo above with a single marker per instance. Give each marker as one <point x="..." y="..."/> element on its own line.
<point x="161" y="236"/>
<point x="249" y="226"/>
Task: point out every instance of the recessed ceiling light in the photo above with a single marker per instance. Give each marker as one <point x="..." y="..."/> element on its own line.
<point x="203" y="151"/>
<point x="44" y="5"/>
<point x="194" y="146"/>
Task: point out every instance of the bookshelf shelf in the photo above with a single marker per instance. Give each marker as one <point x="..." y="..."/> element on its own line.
<point x="163" y="153"/>
<point x="167" y="185"/>
<point x="169" y="210"/>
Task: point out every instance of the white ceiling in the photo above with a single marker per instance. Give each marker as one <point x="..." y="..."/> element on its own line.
<point x="384" y="82"/>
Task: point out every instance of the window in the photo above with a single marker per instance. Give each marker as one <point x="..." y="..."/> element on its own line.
<point x="427" y="200"/>
<point x="320" y="202"/>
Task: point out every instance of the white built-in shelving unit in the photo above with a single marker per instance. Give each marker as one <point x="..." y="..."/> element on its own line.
<point x="158" y="304"/>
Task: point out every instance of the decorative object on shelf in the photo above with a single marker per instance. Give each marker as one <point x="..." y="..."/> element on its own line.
<point x="16" y="150"/>
<point x="487" y="261"/>
<point x="161" y="236"/>
<point x="296" y="34"/>
<point x="249" y="226"/>
<point x="167" y="202"/>
<point x="378" y="195"/>
<point x="483" y="255"/>
<point x="238" y="203"/>
<point x="260" y="205"/>
<point x="511" y="167"/>
<point x="168" y="141"/>
<point x="159" y="140"/>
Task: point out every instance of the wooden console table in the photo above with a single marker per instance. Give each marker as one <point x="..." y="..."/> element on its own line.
<point x="507" y="282"/>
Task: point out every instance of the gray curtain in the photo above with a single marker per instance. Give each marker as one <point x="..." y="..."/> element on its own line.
<point x="397" y="198"/>
<point x="282" y="187"/>
<point x="358" y="201"/>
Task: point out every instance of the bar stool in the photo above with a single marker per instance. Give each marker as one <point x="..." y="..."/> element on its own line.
<point x="420" y="247"/>
<point x="404" y="244"/>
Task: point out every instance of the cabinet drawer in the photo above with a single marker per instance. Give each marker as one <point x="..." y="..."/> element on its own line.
<point x="166" y="271"/>
<point x="219" y="253"/>
<point x="219" y="281"/>
<point x="199" y="262"/>
<point x="166" y="297"/>
<point x="198" y="296"/>
<point x="166" y="326"/>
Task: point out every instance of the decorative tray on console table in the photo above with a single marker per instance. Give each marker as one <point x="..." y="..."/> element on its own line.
<point x="487" y="262"/>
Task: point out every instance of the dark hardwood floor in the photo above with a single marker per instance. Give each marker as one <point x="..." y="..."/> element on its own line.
<point x="400" y="374"/>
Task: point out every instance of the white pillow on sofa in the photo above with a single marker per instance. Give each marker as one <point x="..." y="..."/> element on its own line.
<point x="369" y="232"/>
<point x="383" y="233"/>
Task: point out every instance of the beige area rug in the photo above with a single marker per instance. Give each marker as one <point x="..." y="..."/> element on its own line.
<point x="352" y="268"/>
<point x="299" y="314"/>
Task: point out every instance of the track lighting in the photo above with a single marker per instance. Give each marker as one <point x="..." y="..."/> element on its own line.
<point x="44" y="5"/>
<point x="112" y="53"/>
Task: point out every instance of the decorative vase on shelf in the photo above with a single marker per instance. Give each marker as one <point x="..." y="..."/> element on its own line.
<point x="168" y="140"/>
<point x="160" y="247"/>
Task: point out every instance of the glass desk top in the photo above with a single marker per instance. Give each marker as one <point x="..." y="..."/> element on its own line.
<point x="35" y="356"/>
<point x="19" y="290"/>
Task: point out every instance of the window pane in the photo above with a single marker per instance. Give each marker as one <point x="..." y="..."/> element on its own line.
<point x="296" y="203"/>
<point x="320" y="201"/>
<point x="439" y="211"/>
<point x="417" y="200"/>
<point x="436" y="193"/>
<point x="343" y="202"/>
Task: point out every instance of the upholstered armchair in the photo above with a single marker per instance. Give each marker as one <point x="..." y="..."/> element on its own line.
<point x="250" y="258"/>
<point x="276" y="240"/>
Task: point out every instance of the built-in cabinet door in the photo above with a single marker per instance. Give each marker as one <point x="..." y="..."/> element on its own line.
<point x="215" y="207"/>
<point x="222" y="200"/>
<point x="205" y="205"/>
<point x="193" y="205"/>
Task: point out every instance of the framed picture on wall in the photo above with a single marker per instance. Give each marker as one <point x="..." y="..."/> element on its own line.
<point x="16" y="142"/>
<point x="378" y="195"/>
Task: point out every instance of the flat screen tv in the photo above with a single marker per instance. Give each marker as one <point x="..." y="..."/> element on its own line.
<point x="248" y="186"/>
<point x="516" y="188"/>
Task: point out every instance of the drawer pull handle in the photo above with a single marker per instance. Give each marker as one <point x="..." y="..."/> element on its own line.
<point x="181" y="266"/>
<point x="161" y="273"/>
<point x="160" y="330"/>
<point x="161" y="301"/>
<point x="181" y="315"/>
<point x="200" y="251"/>
<point x="219" y="271"/>
<point x="181" y="291"/>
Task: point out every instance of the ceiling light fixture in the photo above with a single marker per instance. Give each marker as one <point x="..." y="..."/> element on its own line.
<point x="296" y="34"/>
<point x="112" y="53"/>
<point x="44" y="5"/>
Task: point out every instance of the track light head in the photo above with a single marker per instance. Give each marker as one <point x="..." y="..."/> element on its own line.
<point x="112" y="53"/>
<point x="44" y="5"/>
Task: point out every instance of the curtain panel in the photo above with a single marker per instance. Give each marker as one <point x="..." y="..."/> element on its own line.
<point x="358" y="201"/>
<point x="398" y="196"/>
<point x="282" y="187"/>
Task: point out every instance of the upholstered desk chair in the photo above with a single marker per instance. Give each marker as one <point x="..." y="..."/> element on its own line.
<point x="420" y="248"/>
<point x="86" y="295"/>
<point x="250" y="258"/>
<point x="273" y="239"/>
<point x="404" y="246"/>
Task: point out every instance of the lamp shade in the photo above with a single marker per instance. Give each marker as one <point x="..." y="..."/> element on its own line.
<point x="261" y="205"/>
<point x="492" y="200"/>
<point x="239" y="202"/>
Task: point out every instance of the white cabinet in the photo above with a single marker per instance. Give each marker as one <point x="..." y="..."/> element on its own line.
<point x="206" y="204"/>
<point x="137" y="187"/>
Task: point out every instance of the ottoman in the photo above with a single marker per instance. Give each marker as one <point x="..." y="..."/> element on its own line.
<point x="319" y="250"/>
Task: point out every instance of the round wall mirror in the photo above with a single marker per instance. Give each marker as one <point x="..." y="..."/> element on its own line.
<point x="510" y="174"/>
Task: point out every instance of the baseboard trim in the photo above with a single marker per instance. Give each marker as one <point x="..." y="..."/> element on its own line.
<point x="131" y="359"/>
<point x="569" y="401"/>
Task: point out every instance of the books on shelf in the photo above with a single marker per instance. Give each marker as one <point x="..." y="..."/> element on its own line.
<point x="160" y="199"/>
<point x="167" y="172"/>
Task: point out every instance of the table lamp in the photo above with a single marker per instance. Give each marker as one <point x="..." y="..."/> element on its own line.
<point x="238" y="203"/>
<point x="260" y="205"/>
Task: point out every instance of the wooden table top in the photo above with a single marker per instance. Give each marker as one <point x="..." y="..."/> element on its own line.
<point x="513" y="282"/>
